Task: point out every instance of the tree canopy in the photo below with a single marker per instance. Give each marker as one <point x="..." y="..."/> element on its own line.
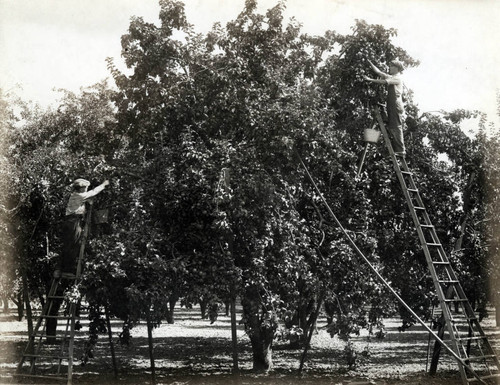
<point x="208" y="201"/>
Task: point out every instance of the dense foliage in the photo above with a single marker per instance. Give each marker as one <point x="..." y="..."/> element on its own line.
<point x="209" y="201"/>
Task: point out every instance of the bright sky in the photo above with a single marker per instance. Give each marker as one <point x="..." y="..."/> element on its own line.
<point x="51" y="44"/>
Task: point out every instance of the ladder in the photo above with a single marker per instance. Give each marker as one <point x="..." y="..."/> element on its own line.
<point x="465" y="333"/>
<point x="52" y="359"/>
<point x="46" y="359"/>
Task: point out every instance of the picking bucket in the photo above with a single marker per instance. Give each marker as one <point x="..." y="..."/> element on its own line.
<point x="101" y="216"/>
<point x="371" y="135"/>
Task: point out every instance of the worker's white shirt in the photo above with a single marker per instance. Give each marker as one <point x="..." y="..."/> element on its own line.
<point x="76" y="202"/>
<point x="397" y="82"/>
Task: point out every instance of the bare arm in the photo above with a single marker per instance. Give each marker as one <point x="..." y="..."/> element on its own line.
<point x="379" y="81"/>
<point x="377" y="71"/>
<point x="95" y="191"/>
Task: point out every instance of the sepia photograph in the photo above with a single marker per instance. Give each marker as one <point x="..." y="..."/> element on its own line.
<point x="250" y="192"/>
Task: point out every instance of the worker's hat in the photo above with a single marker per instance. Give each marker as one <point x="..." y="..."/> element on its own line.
<point x="81" y="183"/>
<point x="397" y="64"/>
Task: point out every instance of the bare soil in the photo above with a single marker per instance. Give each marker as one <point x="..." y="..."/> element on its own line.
<point x="193" y="351"/>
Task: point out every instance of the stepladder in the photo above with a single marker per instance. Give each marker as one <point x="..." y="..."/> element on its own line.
<point x="49" y="353"/>
<point x="459" y="324"/>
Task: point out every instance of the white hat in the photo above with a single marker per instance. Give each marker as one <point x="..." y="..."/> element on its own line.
<point x="81" y="183"/>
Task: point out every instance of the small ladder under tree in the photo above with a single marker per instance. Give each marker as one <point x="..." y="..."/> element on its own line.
<point x="52" y="359"/>
<point x="465" y="333"/>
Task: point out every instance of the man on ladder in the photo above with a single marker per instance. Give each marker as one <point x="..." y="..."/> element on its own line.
<point x="72" y="238"/>
<point x="468" y="343"/>
<point x="72" y="228"/>
<point x="46" y="361"/>
<point x="395" y="107"/>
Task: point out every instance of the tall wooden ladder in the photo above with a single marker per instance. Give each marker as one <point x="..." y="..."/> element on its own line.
<point x="47" y="356"/>
<point x="465" y="333"/>
<point x="50" y="357"/>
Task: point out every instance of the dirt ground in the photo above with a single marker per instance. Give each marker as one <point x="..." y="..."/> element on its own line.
<point x="194" y="352"/>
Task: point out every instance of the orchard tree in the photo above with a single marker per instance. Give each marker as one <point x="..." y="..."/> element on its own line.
<point x="249" y="98"/>
<point x="8" y="279"/>
<point x="47" y="150"/>
<point x="488" y="229"/>
<point x="209" y="199"/>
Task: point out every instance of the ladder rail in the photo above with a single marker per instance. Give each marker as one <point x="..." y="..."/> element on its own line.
<point x="28" y="351"/>
<point x="71" y="344"/>
<point x="41" y="325"/>
<point x="61" y="349"/>
<point x="421" y="236"/>
<point x="43" y="322"/>
<point x="454" y="292"/>
<point x="382" y="279"/>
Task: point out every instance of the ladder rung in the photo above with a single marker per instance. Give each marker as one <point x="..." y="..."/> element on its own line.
<point x="57" y="339"/>
<point x="57" y="316"/>
<point x="465" y="315"/>
<point x="40" y="376"/>
<point x="479" y="358"/>
<point x="45" y="356"/>
<point x="475" y="338"/>
<point x="473" y="379"/>
<point x="465" y="319"/>
<point x="56" y="297"/>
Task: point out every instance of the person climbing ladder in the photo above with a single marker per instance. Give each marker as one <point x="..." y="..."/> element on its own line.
<point x="72" y="229"/>
<point x="395" y="107"/>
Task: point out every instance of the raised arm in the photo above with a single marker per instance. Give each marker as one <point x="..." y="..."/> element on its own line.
<point x="379" y="81"/>
<point x="97" y="190"/>
<point x="377" y="71"/>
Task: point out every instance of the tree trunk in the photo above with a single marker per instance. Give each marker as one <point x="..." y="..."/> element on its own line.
<point x="262" y="352"/>
<point x="330" y="309"/>
<point x="51" y="328"/>
<point x="306" y="321"/>
<point x="151" y="349"/>
<point x="172" y="300"/>
<point x="27" y="303"/>
<point x="313" y="319"/>
<point x="20" y="306"/>
<point x="437" y="347"/>
<point x="234" y="336"/>
<point x="497" y="309"/>
<point x="260" y="327"/>
<point x="5" y="304"/>
<point x="203" y="308"/>
<point x="111" y="345"/>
